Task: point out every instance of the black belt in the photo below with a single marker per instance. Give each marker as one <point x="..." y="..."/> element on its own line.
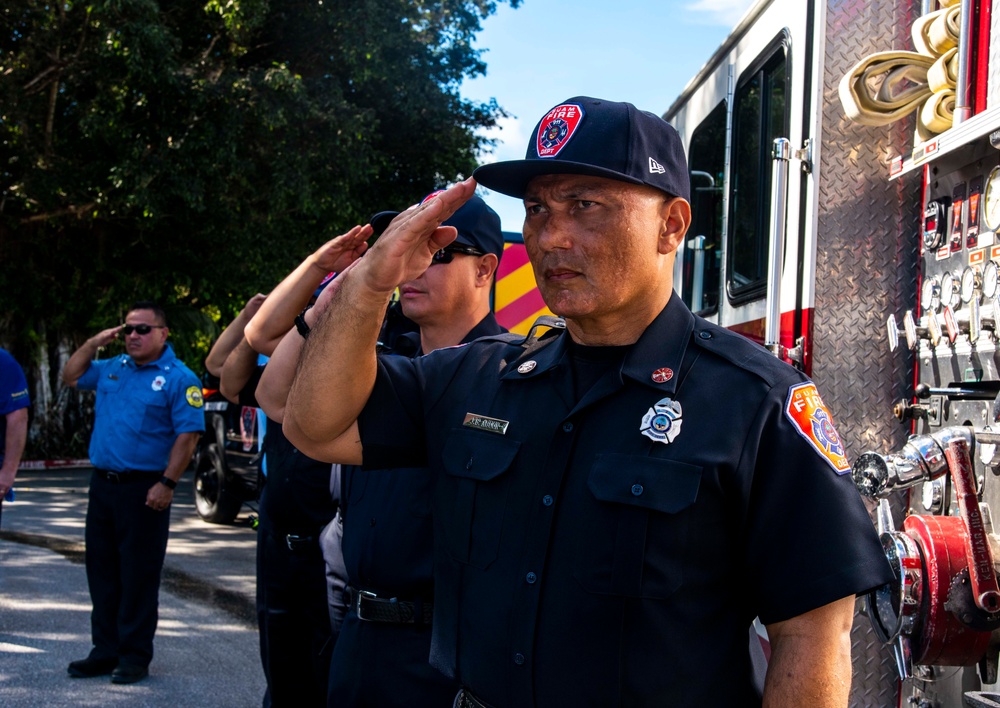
<point x="464" y="699"/>
<point x="297" y="542"/>
<point x="127" y="476"/>
<point x="370" y="607"/>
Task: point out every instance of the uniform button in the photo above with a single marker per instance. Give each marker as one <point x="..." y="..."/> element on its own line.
<point x="547" y="500"/>
<point x="636" y="489"/>
<point x="705" y="335"/>
<point x="373" y="523"/>
<point x="567" y="427"/>
<point x="531" y="578"/>
<point x="519" y="659"/>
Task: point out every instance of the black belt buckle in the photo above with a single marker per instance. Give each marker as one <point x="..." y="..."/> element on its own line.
<point x="299" y="543"/>
<point x="464" y="699"/>
<point x="359" y="597"/>
<point x="116" y="477"/>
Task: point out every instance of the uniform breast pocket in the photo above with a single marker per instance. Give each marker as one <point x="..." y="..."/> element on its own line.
<point x="155" y="411"/>
<point x="472" y="494"/>
<point x="639" y="534"/>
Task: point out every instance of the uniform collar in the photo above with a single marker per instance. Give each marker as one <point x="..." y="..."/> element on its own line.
<point x="164" y="361"/>
<point x="408" y="343"/>
<point x="659" y="351"/>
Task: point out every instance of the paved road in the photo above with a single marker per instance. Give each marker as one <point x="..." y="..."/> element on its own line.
<point x="206" y="642"/>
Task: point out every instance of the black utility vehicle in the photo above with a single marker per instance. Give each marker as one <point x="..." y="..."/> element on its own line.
<point x="226" y="462"/>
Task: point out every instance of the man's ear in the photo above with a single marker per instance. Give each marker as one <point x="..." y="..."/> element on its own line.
<point x="676" y="213"/>
<point x="486" y="268"/>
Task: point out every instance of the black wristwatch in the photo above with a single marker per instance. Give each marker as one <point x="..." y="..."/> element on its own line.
<point x="300" y="323"/>
<point x="167" y="482"/>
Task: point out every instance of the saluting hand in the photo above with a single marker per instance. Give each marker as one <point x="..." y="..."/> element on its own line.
<point x="405" y="250"/>
<point x="338" y="253"/>
<point x="105" y="337"/>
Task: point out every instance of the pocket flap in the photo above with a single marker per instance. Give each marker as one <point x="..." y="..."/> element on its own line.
<point x="477" y="455"/>
<point x="660" y="485"/>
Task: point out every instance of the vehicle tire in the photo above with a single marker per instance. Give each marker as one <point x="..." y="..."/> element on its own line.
<point x="213" y="496"/>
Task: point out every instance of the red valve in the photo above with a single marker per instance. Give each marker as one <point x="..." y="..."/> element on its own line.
<point x="978" y="554"/>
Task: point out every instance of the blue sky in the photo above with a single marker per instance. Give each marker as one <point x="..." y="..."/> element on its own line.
<point x="640" y="51"/>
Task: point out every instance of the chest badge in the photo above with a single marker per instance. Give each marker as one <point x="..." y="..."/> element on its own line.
<point x="662" y="375"/>
<point x="662" y="422"/>
<point x="484" y="422"/>
<point x="158" y="383"/>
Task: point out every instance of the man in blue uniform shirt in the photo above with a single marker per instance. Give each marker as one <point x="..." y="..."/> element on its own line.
<point x="614" y="504"/>
<point x="147" y="420"/>
<point x="14" y="402"/>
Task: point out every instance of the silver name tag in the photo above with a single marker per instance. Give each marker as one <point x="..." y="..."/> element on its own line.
<point x="482" y="422"/>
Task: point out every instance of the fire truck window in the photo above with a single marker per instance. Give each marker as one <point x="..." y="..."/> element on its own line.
<point x="703" y="249"/>
<point x="759" y="116"/>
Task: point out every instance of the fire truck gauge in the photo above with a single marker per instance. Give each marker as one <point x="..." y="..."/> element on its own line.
<point x="934" y="220"/>
<point x="971" y="281"/>
<point x="990" y="274"/>
<point x="991" y="204"/>
<point x="949" y="291"/>
<point x="930" y="294"/>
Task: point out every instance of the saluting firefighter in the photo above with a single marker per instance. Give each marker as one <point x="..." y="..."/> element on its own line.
<point x="147" y="420"/>
<point x="613" y="505"/>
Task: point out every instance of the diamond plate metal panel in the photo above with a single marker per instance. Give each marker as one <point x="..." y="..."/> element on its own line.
<point x="866" y="269"/>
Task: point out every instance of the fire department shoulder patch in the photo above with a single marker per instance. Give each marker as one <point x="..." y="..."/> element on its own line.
<point x="557" y="128"/>
<point x="193" y="396"/>
<point x="812" y="421"/>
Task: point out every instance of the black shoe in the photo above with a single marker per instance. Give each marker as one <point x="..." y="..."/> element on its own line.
<point x="88" y="668"/>
<point x="129" y="673"/>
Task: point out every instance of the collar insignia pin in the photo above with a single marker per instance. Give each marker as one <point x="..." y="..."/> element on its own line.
<point x="527" y="367"/>
<point x="662" y="375"/>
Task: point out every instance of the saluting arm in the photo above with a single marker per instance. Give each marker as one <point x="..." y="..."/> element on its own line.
<point x="80" y="360"/>
<point x="293" y="293"/>
<point x="338" y="366"/>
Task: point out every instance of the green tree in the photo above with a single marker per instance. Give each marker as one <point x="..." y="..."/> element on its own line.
<point x="192" y="153"/>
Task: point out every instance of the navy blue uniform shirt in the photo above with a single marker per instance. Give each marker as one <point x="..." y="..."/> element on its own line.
<point x="140" y="410"/>
<point x="613" y="551"/>
<point x="388" y="535"/>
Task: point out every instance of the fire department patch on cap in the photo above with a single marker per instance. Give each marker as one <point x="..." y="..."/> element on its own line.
<point x="557" y="128"/>
<point x="193" y="396"/>
<point x="812" y="421"/>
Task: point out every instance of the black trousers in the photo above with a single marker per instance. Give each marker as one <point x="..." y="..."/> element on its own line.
<point x="294" y="621"/>
<point x="384" y="665"/>
<point x="126" y="544"/>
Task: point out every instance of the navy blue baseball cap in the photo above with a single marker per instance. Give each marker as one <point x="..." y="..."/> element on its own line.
<point x="478" y="225"/>
<point x="591" y="136"/>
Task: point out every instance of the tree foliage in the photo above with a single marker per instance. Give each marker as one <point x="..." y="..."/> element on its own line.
<point x="193" y="152"/>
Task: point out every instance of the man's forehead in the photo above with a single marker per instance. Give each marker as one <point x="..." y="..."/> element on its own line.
<point x="565" y="184"/>
<point x="141" y="316"/>
<point x="574" y="186"/>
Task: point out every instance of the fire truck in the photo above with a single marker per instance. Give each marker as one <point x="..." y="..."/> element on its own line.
<point x="845" y="172"/>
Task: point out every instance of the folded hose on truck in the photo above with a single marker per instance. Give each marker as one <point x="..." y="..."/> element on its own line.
<point x="885" y="86"/>
<point x="936" y="115"/>
<point x="943" y="74"/>
<point x="936" y="32"/>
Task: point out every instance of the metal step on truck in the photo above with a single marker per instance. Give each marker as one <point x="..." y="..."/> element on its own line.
<point x="845" y="167"/>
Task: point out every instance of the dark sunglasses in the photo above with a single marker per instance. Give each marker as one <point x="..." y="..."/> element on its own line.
<point x="447" y="254"/>
<point x="140" y="328"/>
